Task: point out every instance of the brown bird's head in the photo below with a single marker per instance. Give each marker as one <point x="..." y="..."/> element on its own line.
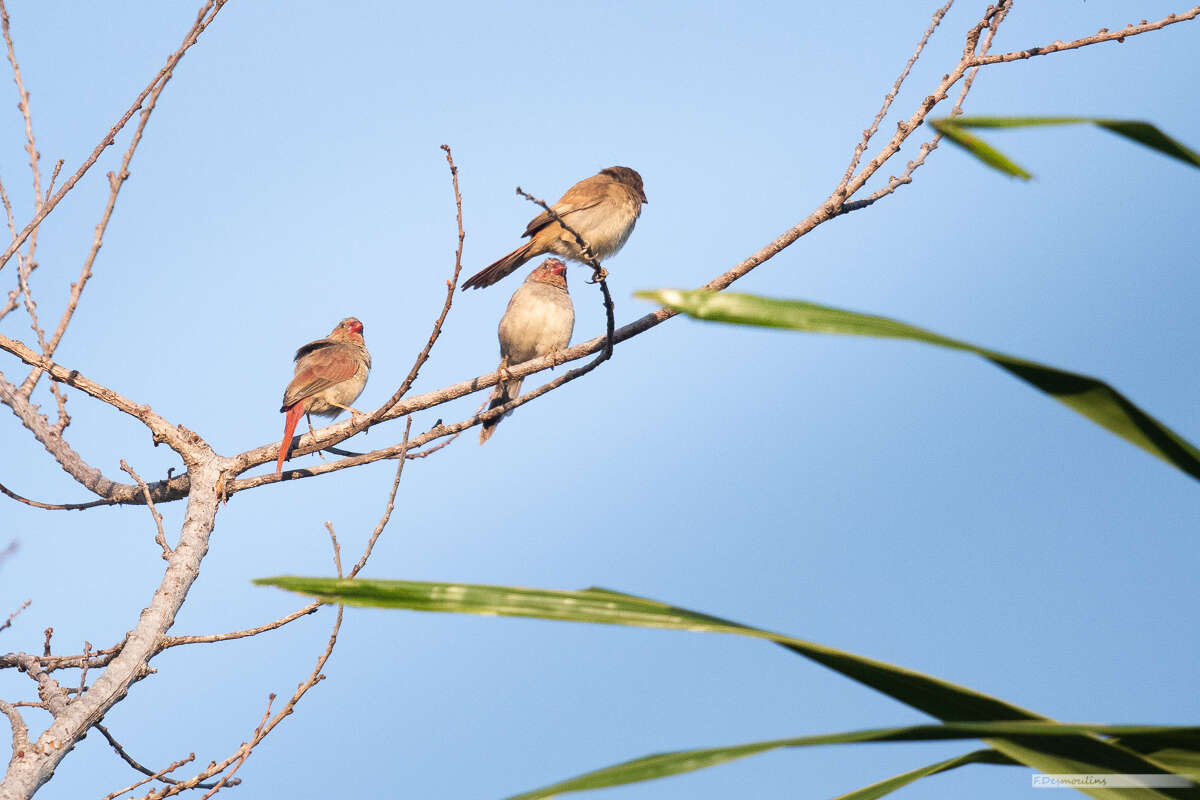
<point x="551" y="272"/>
<point x="627" y="176"/>
<point x="348" y="330"/>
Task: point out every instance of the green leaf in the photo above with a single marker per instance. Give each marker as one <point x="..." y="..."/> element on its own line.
<point x="1142" y="133"/>
<point x="889" y="785"/>
<point x="1071" y="749"/>
<point x="938" y="698"/>
<point x="981" y="149"/>
<point x="664" y="765"/>
<point x="1088" y="396"/>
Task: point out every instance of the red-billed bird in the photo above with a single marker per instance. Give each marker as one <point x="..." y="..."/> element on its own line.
<point x="539" y="320"/>
<point x="330" y="375"/>
<point x="602" y="209"/>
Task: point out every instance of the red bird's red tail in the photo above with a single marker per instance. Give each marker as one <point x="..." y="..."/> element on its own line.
<point x="294" y="412"/>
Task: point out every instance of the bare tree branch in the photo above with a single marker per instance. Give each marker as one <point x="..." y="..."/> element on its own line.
<point x="173" y="641"/>
<point x="8" y="622"/>
<point x="211" y="477"/>
<point x="391" y="504"/>
<point x="73" y="463"/>
<point x="159" y="536"/>
<point x="203" y="19"/>
<point x="49" y="690"/>
<point x="451" y="284"/>
<point x="151" y="774"/>
<point x="20" y="732"/>
<point x="1103" y="35"/>
<point x="115" y="182"/>
<point x="891" y="96"/>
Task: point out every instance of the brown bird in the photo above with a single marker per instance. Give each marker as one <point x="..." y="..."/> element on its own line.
<point x="602" y="209"/>
<point x="330" y="375"/>
<point x="539" y="320"/>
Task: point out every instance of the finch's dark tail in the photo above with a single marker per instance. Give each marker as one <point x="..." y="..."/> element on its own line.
<point x="501" y="269"/>
<point x="504" y="391"/>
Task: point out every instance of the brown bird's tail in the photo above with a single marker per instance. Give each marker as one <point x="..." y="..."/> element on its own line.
<point x="502" y="268"/>
<point x="294" y="413"/>
<point x="504" y="391"/>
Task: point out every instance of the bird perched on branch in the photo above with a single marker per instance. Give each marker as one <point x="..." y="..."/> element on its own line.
<point x="602" y="209"/>
<point x="330" y="375"/>
<point x="539" y="320"/>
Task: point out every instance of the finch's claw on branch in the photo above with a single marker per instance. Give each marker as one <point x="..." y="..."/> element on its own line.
<point x="598" y="274"/>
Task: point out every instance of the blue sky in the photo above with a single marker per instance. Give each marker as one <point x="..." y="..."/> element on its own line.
<point x="912" y="505"/>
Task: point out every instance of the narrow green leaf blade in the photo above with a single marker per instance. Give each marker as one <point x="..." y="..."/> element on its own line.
<point x="1143" y="133"/>
<point x="938" y="698"/>
<point x="1069" y="749"/>
<point x="1146" y="134"/>
<point x="889" y="785"/>
<point x="1137" y="131"/>
<point x="980" y="149"/>
<point x="663" y="765"/>
<point x="1086" y="395"/>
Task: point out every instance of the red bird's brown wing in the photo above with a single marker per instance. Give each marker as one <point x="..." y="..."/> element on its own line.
<point x="319" y="365"/>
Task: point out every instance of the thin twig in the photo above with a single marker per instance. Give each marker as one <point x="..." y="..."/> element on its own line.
<point x="1103" y="35"/>
<point x="98" y="658"/>
<point x="426" y="453"/>
<point x="387" y="512"/>
<point x="115" y="182"/>
<point x="30" y="144"/>
<point x="159" y="535"/>
<point x="263" y="730"/>
<point x="891" y="96"/>
<point x="337" y="550"/>
<point x="58" y="165"/>
<point x="207" y="14"/>
<point x="87" y="652"/>
<point x="451" y="284"/>
<point x="992" y="20"/>
<point x="8" y="550"/>
<point x="174" y="641"/>
<point x="160" y="775"/>
<point x="8" y="622"/>
<point x="54" y="506"/>
<point x="228" y="778"/>
<point x="128" y="759"/>
<point x="12" y="225"/>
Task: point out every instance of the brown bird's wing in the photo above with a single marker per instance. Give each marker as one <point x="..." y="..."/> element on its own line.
<point x="319" y="365"/>
<point x="588" y="193"/>
<point x="563" y="210"/>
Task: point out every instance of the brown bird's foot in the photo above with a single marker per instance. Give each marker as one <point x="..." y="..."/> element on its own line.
<point x="598" y="275"/>
<point x="505" y="375"/>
